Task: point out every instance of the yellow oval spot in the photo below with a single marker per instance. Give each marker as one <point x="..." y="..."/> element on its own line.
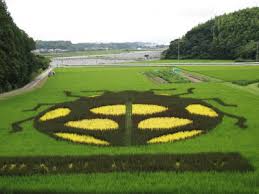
<point x="81" y="138"/>
<point x="163" y="94"/>
<point x="201" y="110"/>
<point x="163" y="123"/>
<point x="59" y="112"/>
<point x="137" y="109"/>
<point x="147" y="109"/>
<point x="110" y="110"/>
<point x="93" y="124"/>
<point x="175" y="136"/>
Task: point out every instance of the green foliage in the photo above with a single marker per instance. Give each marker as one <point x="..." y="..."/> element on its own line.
<point x="245" y="82"/>
<point x="228" y="36"/>
<point x="53" y="44"/>
<point x="17" y="63"/>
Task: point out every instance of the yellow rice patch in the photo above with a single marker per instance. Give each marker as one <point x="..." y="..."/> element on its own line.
<point x="175" y="136"/>
<point x="147" y="109"/>
<point x="59" y="112"/>
<point x="201" y="110"/>
<point x="137" y="109"/>
<point x="110" y="110"/>
<point x="93" y="124"/>
<point x="81" y="138"/>
<point x="163" y="123"/>
<point x="163" y="94"/>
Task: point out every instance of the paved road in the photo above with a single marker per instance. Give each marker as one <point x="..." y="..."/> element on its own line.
<point x="150" y="64"/>
<point x="30" y="86"/>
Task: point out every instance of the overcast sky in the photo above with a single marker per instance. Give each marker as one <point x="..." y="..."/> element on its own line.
<point x="116" y="20"/>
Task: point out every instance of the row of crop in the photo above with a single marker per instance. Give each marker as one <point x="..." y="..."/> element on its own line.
<point x="168" y="75"/>
<point x="245" y="82"/>
<point x="124" y="163"/>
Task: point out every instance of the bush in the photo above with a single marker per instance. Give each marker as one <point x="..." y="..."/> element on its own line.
<point x="245" y="82"/>
<point x="244" y="60"/>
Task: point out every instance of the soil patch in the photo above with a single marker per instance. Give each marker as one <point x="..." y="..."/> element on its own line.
<point x="192" y="78"/>
<point x="155" y="79"/>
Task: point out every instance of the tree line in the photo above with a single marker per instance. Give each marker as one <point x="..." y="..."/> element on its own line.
<point x="69" y="46"/>
<point x="18" y="64"/>
<point x="230" y="36"/>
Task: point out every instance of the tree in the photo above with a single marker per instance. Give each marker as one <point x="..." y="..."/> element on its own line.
<point x="229" y="36"/>
<point x="17" y="63"/>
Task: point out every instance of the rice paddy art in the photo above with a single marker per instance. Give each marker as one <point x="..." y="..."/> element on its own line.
<point x="129" y="118"/>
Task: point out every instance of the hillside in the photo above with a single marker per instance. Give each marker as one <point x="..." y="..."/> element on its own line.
<point x="17" y="64"/>
<point x="230" y="36"/>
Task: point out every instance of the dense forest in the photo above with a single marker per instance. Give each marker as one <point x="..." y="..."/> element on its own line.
<point x="17" y="64"/>
<point x="230" y="36"/>
<point x="69" y="46"/>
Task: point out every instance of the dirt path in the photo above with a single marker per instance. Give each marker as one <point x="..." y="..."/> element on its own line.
<point x="158" y="80"/>
<point x="155" y="79"/>
<point x="192" y="78"/>
<point x="36" y="83"/>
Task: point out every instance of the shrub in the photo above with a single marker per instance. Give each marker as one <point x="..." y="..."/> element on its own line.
<point x="245" y="82"/>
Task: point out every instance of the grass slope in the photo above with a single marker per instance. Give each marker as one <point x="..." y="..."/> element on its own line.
<point x="226" y="137"/>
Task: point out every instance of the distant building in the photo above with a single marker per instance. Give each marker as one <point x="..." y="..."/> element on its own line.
<point x="147" y="57"/>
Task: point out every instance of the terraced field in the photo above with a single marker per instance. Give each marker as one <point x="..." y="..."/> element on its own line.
<point x="211" y="122"/>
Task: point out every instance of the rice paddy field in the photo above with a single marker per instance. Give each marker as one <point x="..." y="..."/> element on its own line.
<point x="223" y="119"/>
<point x="227" y="73"/>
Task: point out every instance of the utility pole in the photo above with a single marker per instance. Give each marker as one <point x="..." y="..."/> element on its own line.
<point x="178" y="50"/>
<point x="257" y="52"/>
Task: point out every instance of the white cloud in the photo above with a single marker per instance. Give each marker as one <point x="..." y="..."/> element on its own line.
<point x="116" y="20"/>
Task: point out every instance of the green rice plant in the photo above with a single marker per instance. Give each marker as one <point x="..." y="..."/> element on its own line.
<point x="168" y="75"/>
<point x="225" y="137"/>
<point x="245" y="82"/>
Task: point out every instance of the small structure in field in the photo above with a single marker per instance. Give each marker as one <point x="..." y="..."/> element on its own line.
<point x="51" y="73"/>
<point x="147" y="57"/>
